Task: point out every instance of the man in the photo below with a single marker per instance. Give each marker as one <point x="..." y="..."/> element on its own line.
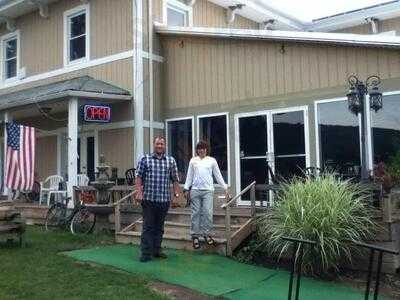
<point x="155" y="173"/>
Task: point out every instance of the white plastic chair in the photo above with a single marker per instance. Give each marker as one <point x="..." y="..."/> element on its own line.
<point x="51" y="187"/>
<point x="82" y="180"/>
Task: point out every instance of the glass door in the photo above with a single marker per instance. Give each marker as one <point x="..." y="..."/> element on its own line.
<point x="253" y="151"/>
<point x="270" y="142"/>
<point x="289" y="145"/>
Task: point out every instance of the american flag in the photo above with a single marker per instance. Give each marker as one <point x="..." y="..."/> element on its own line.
<point x="20" y="157"/>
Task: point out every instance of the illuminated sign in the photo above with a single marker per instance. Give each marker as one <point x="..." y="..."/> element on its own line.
<point x="96" y="113"/>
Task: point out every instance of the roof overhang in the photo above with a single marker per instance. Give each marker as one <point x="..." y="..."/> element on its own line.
<point x="15" y="8"/>
<point x="275" y="35"/>
<point x="387" y="10"/>
<point x="107" y="98"/>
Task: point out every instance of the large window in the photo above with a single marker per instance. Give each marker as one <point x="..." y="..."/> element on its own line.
<point x="178" y="14"/>
<point x="180" y="143"/>
<point x="386" y="129"/>
<point x="10" y="57"/>
<point x="339" y="137"/>
<point x="77" y="35"/>
<point x="214" y="130"/>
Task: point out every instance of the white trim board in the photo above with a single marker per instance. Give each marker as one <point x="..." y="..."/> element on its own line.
<point x="98" y="127"/>
<point x="372" y="40"/>
<point x="76" y="67"/>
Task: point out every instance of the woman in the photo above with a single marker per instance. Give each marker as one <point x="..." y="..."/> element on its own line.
<point x="200" y="182"/>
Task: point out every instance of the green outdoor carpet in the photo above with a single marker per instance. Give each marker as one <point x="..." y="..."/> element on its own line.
<point x="214" y="275"/>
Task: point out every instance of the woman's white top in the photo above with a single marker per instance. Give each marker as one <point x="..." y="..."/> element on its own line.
<point x="200" y="174"/>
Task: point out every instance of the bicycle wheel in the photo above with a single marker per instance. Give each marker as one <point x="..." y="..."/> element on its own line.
<point x="55" y="216"/>
<point x="83" y="221"/>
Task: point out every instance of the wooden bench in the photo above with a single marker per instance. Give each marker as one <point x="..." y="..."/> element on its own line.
<point x="11" y="221"/>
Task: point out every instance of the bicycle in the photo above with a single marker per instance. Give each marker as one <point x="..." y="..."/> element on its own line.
<point x="80" y="220"/>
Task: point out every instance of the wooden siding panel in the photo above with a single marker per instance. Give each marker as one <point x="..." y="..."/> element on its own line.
<point x="120" y="157"/>
<point x="230" y="70"/>
<point x="207" y="14"/>
<point x="118" y="73"/>
<point x="46" y="157"/>
<point x="42" y="39"/>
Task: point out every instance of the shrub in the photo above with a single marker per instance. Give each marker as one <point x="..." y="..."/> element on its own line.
<point x="325" y="209"/>
<point x="394" y="167"/>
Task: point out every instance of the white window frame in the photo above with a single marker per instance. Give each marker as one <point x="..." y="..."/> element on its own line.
<point x="269" y="113"/>
<point x="67" y="16"/>
<point x="369" y="131"/>
<point x="228" y="150"/>
<point x="13" y="35"/>
<point x="179" y="7"/>
<point x="179" y="119"/>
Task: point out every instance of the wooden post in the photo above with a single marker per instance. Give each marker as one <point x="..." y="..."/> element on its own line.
<point x="253" y="200"/>
<point x="228" y="231"/>
<point x="72" y="146"/>
<point x="117" y="219"/>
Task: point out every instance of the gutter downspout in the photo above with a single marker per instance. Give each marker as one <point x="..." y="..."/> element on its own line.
<point x="151" y="83"/>
<point x="374" y="24"/>
<point x="137" y="26"/>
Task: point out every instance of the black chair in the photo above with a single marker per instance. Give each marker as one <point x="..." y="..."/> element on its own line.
<point x="130" y="176"/>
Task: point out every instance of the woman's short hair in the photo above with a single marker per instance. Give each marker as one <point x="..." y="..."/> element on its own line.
<point x="202" y="145"/>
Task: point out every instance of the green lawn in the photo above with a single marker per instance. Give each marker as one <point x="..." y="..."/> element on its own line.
<point x="38" y="271"/>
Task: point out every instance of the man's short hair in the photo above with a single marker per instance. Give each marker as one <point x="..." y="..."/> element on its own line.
<point x="159" y="137"/>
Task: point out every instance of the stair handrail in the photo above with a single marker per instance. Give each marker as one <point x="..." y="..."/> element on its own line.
<point x="117" y="212"/>
<point x="227" y="208"/>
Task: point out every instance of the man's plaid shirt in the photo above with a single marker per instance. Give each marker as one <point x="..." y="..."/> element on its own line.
<point x="157" y="175"/>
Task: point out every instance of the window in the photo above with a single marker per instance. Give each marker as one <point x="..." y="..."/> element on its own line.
<point x="386" y="129"/>
<point x="76" y="35"/>
<point x="214" y="130"/>
<point x="180" y="143"/>
<point x="339" y="137"/>
<point x="178" y="14"/>
<point x="10" y="54"/>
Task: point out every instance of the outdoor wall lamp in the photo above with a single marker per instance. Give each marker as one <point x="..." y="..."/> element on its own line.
<point x="357" y="103"/>
<point x="358" y="90"/>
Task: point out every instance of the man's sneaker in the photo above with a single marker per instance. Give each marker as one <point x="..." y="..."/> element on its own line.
<point x="145" y="259"/>
<point x="161" y="255"/>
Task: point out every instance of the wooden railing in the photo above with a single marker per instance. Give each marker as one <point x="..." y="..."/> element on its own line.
<point x="227" y="207"/>
<point x="117" y="212"/>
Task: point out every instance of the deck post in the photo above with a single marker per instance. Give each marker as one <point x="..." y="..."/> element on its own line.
<point x="117" y="219"/>
<point x="228" y="231"/>
<point x="253" y="200"/>
<point x="6" y="119"/>
<point x="72" y="147"/>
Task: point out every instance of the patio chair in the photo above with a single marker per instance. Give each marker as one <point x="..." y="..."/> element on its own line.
<point x="51" y="186"/>
<point x="130" y="176"/>
<point x="82" y="180"/>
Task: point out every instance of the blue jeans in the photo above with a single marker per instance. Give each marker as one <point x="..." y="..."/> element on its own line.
<point x="201" y="204"/>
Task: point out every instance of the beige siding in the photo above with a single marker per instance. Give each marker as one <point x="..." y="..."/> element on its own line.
<point x="117" y="147"/>
<point x="201" y="71"/>
<point x="42" y="39"/>
<point x="385" y="25"/>
<point x="207" y="14"/>
<point x="118" y="73"/>
<point x="46" y="157"/>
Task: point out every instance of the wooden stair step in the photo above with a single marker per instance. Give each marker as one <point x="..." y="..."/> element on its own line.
<point x="183" y="242"/>
<point x="178" y="228"/>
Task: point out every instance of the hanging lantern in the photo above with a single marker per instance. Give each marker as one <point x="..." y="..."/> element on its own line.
<point x="354" y="100"/>
<point x="375" y="99"/>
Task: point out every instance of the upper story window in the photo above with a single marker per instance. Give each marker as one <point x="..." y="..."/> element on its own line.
<point x="76" y="22"/>
<point x="178" y="14"/>
<point x="10" y="54"/>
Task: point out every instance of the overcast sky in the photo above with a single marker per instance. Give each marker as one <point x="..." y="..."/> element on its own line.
<point x="307" y="10"/>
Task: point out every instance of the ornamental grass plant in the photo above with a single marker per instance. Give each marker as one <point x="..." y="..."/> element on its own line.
<point x="324" y="209"/>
